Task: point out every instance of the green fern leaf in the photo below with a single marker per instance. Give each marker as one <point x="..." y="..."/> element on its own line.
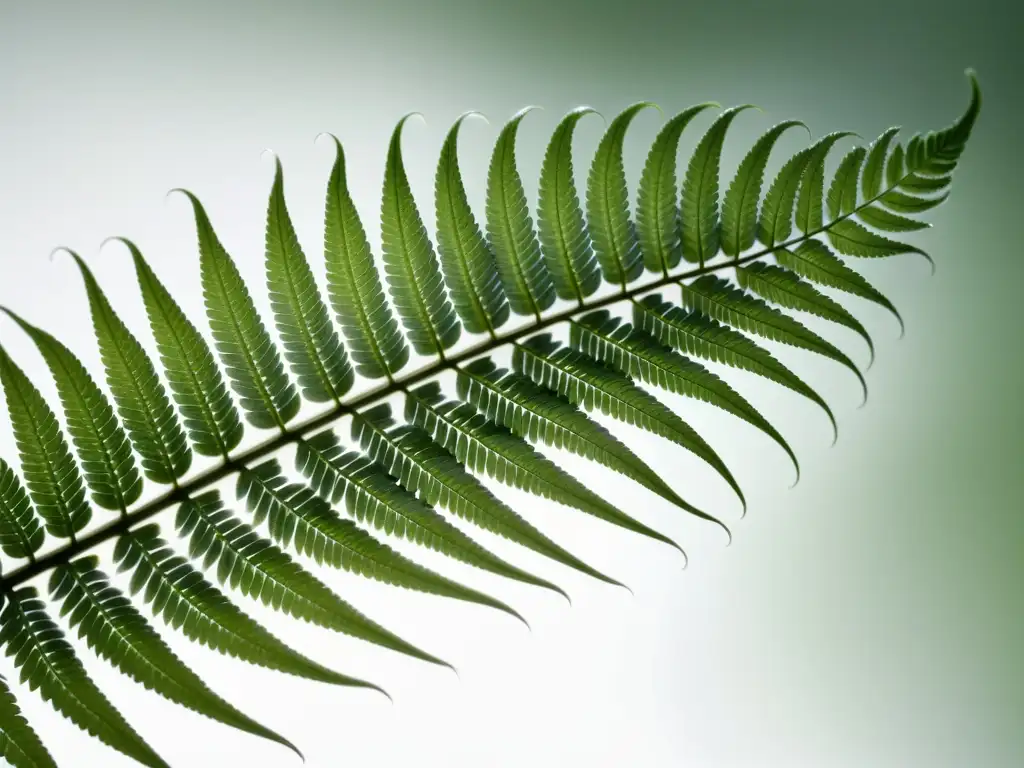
<point x="371" y="496"/>
<point x="353" y="285"/>
<point x="410" y="264"/>
<point x="894" y="166"/>
<point x="853" y="239"/>
<point x="695" y="333"/>
<point x="196" y="382"/>
<point x="786" y="289"/>
<point x="879" y="218"/>
<point x="640" y="356"/>
<point x="657" y="212"/>
<point x="718" y="299"/>
<point x="252" y="361"/>
<point x="19" y="744"/>
<point x="50" y="471"/>
<point x="423" y="466"/>
<point x="21" y="535"/>
<point x="739" y="209"/>
<point x="776" y="222"/>
<point x="812" y="184"/>
<point x="612" y="232"/>
<point x="904" y="203"/>
<point x="257" y="568"/>
<point x="699" y="201"/>
<point x="483" y="446"/>
<point x="510" y="231"/>
<point x="318" y="359"/>
<point x="871" y="179"/>
<point x="116" y="631"/>
<point x="534" y="413"/>
<point x="178" y="594"/>
<point x="564" y="239"/>
<point x="590" y="384"/>
<point x="466" y="259"/>
<point x="940" y="150"/>
<point x="48" y="663"/>
<point x="300" y="518"/>
<point x="814" y="261"/>
<point x="842" y="194"/>
<point x="100" y="441"/>
<point x="141" y="399"/>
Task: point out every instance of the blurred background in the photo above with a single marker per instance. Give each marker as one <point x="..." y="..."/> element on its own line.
<point x="869" y="616"/>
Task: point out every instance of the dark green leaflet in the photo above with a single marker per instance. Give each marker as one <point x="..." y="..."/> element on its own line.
<point x="842" y="195"/>
<point x="612" y="231"/>
<point x="717" y="298"/>
<point x="101" y="443"/>
<point x="894" y="166"/>
<point x="116" y="631"/>
<point x="904" y="203"/>
<point x="253" y="364"/>
<point x="19" y="744"/>
<point x="641" y="356"/>
<point x="48" y="663"/>
<point x="879" y="218"/>
<point x="410" y="264"/>
<point x="311" y="345"/>
<point x="21" y="535"/>
<point x="195" y="380"/>
<point x="776" y="222"/>
<point x="466" y="259"/>
<point x="853" y="239"/>
<point x="695" y="333"/>
<point x="871" y="178"/>
<point x="178" y="594"/>
<point x="423" y="466"/>
<point x="256" y="567"/>
<point x="50" y="471"/>
<point x="141" y="399"/>
<point x="657" y="210"/>
<point x="812" y="184"/>
<point x="699" y="201"/>
<point x="510" y="231"/>
<point x="353" y="284"/>
<point x="739" y="208"/>
<point x="565" y="242"/>
<point x="483" y="446"/>
<point x="372" y="497"/>
<point x="298" y="517"/>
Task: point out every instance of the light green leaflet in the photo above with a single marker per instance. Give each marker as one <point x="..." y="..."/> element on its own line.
<point x="812" y="184"/>
<point x="894" y="166"/>
<point x="21" y="535"/>
<point x="259" y="569"/>
<point x="423" y="466"/>
<point x="879" y="218"/>
<point x="699" y="201"/>
<point x="842" y="194"/>
<point x="353" y="284"/>
<point x="534" y="413"/>
<point x="510" y="231"/>
<point x="590" y="384"/>
<point x="196" y="382"/>
<point x="48" y="663"/>
<point x="695" y="333"/>
<point x="116" y="631"/>
<point x="50" y="471"/>
<point x="718" y="299"/>
<point x="410" y="264"/>
<point x="814" y="261"/>
<point x="372" y="497"/>
<point x="141" y="399"/>
<point x="739" y="208"/>
<point x="657" y="209"/>
<point x="874" y="166"/>
<point x="252" y="361"/>
<point x="311" y="345"/>
<point x="99" y="439"/>
<point x="853" y="239"/>
<point x="612" y="231"/>
<point x="298" y="517"/>
<point x="640" y="356"/>
<point x="466" y="259"/>
<point x="19" y="744"/>
<point x="483" y="446"/>
<point x="565" y="242"/>
<point x="178" y="594"/>
<point x="785" y="288"/>
<point x="776" y="222"/>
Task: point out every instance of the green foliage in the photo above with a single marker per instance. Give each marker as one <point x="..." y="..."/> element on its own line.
<point x="789" y="250"/>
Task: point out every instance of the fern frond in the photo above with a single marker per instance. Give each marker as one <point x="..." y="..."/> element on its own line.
<point x="410" y="264"/>
<point x="21" y="535"/>
<point x="812" y="184"/>
<point x="311" y="345"/>
<point x="48" y="663"/>
<point x="19" y="743"/>
<point x="115" y="630"/>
